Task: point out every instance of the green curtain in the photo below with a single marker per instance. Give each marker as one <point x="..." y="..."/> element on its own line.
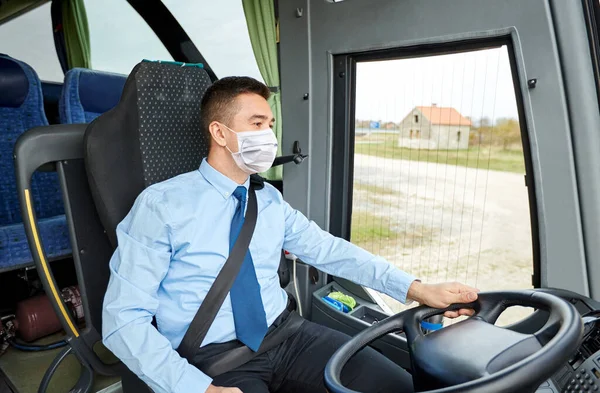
<point x="260" y="17"/>
<point x="77" y="34"/>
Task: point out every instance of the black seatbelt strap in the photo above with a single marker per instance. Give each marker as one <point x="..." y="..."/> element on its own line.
<point x="230" y="360"/>
<point x="218" y="291"/>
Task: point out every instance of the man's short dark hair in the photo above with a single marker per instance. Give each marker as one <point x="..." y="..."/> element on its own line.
<point x="218" y="103"/>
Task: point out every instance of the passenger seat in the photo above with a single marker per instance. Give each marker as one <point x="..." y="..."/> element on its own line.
<point x="22" y="108"/>
<point x="87" y="94"/>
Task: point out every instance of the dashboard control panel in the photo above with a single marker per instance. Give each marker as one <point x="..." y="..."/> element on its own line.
<point x="582" y="372"/>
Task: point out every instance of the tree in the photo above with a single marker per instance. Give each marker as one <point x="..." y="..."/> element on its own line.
<point x="479" y="129"/>
<point x="508" y="132"/>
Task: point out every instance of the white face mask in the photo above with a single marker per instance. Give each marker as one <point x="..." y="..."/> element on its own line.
<point x="256" y="150"/>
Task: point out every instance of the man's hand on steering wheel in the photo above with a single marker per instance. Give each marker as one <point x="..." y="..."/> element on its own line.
<point x="443" y="295"/>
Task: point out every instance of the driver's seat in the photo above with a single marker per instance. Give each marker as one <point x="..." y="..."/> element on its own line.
<point x="153" y="134"/>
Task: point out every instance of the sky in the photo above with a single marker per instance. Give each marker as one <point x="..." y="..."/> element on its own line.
<point x="477" y="83"/>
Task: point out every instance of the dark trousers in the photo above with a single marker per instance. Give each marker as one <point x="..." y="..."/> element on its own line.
<point x="297" y="365"/>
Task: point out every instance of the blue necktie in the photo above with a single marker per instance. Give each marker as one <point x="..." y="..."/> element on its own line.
<point x="248" y="310"/>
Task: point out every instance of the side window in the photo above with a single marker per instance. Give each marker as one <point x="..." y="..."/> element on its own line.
<point x="446" y="201"/>
<point x="120" y="38"/>
<point x="29" y="38"/>
<point x="213" y="26"/>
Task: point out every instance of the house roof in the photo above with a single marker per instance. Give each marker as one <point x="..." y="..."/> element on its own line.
<point x="444" y="116"/>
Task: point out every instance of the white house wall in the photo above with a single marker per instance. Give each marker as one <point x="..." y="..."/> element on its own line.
<point x="434" y="137"/>
<point x="447" y="137"/>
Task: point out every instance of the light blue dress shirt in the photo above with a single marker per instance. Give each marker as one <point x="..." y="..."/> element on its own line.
<point x="171" y="247"/>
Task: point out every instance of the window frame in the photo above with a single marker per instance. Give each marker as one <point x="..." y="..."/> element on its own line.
<point x="344" y="109"/>
<point x="591" y="10"/>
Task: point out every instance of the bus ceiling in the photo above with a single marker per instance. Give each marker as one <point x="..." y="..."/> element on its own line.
<point x="10" y="9"/>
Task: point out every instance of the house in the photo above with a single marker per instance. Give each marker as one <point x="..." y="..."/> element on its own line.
<point x="433" y="128"/>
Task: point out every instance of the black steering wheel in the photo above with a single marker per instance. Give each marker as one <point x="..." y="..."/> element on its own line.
<point x="474" y="355"/>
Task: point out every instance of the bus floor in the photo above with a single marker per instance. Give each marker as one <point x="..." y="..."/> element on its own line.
<point x="25" y="370"/>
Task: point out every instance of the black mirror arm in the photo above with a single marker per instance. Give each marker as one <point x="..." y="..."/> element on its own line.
<point x="296" y="158"/>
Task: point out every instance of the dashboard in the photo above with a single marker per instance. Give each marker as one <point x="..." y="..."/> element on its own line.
<point x="582" y="372"/>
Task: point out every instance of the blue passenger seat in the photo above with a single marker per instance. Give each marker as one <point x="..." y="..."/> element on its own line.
<point x="22" y="108"/>
<point x="87" y="94"/>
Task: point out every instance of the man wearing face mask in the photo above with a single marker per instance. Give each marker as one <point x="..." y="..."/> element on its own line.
<point x="178" y="236"/>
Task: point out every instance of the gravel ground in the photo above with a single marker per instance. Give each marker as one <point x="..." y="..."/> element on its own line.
<point x="448" y="223"/>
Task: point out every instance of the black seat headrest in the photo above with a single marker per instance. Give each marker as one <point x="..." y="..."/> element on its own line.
<point x="154" y="133"/>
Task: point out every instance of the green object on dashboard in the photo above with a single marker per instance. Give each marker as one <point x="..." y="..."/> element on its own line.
<point x="346" y="299"/>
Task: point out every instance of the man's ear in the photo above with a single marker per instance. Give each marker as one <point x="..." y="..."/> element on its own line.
<point x="217" y="131"/>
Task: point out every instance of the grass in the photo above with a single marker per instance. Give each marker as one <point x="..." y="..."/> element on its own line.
<point x="483" y="157"/>
<point x="374" y="189"/>
<point x="367" y="227"/>
<point x="375" y="234"/>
